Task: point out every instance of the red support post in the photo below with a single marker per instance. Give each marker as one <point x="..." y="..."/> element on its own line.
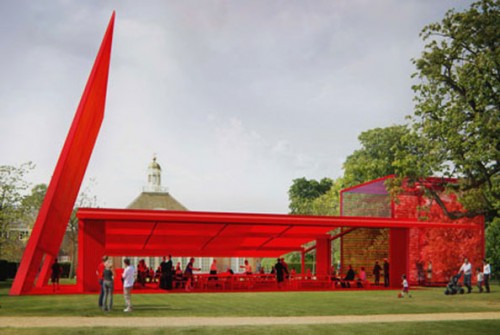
<point x="398" y="255"/>
<point x="303" y="262"/>
<point x="91" y="248"/>
<point x="323" y="256"/>
<point x="45" y="272"/>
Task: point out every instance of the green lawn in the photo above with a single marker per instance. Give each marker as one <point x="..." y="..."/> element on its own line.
<point x="266" y="304"/>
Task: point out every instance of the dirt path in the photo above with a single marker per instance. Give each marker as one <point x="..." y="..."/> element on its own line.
<point x="131" y="321"/>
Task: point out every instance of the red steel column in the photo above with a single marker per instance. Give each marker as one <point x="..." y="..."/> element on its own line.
<point x="43" y="280"/>
<point x="323" y="256"/>
<point x="398" y="255"/>
<point x="91" y="244"/>
<point x="303" y="262"/>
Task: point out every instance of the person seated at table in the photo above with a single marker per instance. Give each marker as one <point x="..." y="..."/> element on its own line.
<point x="157" y="274"/>
<point x="361" y="278"/>
<point x="229" y="271"/>
<point x="247" y="267"/>
<point x="213" y="270"/>
<point x="335" y="278"/>
<point x="261" y="271"/>
<point x="142" y="272"/>
<point x="308" y="274"/>
<point x="348" y="278"/>
<point x="178" y="275"/>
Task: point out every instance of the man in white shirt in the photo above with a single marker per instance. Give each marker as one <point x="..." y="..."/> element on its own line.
<point x="466" y="268"/>
<point x="486" y="273"/>
<point x="128" y="282"/>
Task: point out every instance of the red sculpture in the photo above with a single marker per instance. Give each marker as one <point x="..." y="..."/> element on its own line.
<point x="52" y="221"/>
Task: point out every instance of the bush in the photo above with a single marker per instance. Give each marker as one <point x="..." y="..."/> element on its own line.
<point x="7" y="269"/>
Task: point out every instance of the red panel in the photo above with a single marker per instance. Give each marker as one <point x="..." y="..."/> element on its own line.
<point x="252" y="230"/>
<point x="308" y="231"/>
<point x="323" y="256"/>
<point x="398" y="256"/>
<point x="45" y="271"/>
<point x="55" y="211"/>
<point x="183" y="229"/>
<point x="91" y="240"/>
<point x="130" y="228"/>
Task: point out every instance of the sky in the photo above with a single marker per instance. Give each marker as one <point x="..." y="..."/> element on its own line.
<point x="235" y="98"/>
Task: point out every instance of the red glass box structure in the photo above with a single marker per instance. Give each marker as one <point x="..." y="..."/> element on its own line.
<point x="409" y="250"/>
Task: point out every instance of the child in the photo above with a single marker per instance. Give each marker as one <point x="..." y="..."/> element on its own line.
<point x="480" y="278"/>
<point x="405" y="288"/>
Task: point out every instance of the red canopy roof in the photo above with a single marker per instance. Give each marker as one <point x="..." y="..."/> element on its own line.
<point x="180" y="233"/>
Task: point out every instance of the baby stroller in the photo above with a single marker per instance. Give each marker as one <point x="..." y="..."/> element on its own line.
<point x="454" y="286"/>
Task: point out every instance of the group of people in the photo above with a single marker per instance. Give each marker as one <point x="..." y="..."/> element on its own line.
<point x="361" y="280"/>
<point x="106" y="275"/>
<point x="482" y="275"/>
<point x="170" y="274"/>
<point x="377" y="271"/>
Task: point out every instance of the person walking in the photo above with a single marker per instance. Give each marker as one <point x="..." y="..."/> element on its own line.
<point x="466" y="268"/>
<point x="128" y="283"/>
<point x="486" y="274"/>
<point x="480" y="279"/>
<point x="55" y="275"/>
<point x="406" y="288"/>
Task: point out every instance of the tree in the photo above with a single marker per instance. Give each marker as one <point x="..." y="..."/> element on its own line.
<point x="12" y="186"/>
<point x="303" y="192"/>
<point x="455" y="128"/>
<point x="31" y="204"/>
<point x="492" y="245"/>
<point x="376" y="156"/>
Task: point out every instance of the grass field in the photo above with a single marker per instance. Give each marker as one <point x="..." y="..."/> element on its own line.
<point x="265" y="304"/>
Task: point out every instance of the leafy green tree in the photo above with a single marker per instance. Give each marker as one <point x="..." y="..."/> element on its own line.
<point x="455" y="128"/>
<point x="303" y="192"/>
<point x="374" y="159"/>
<point x="12" y="187"/>
<point x="329" y="202"/>
<point x="31" y="204"/>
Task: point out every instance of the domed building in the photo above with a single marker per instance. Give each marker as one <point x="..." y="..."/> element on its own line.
<point x="155" y="196"/>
